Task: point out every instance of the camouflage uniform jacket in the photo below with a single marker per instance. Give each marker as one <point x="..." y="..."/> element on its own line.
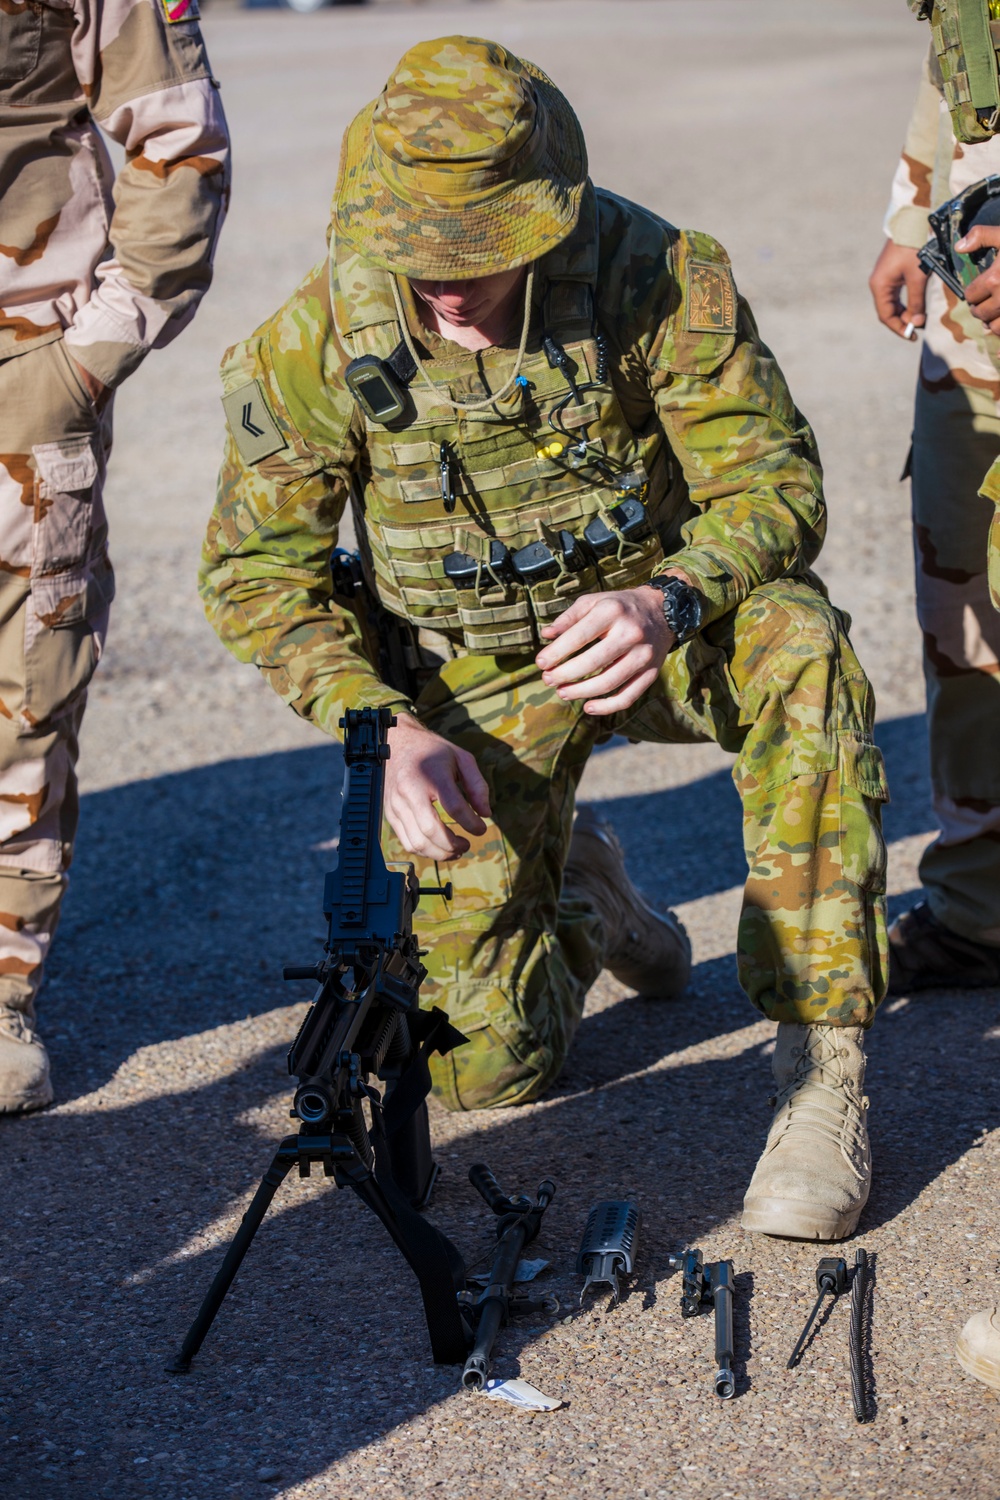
<point x="119" y="271"/>
<point x="734" y="481"/>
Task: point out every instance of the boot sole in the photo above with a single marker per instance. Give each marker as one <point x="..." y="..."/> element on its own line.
<point x="785" y="1219"/>
<point x="27" y="1103"/>
<point x="986" y="1370"/>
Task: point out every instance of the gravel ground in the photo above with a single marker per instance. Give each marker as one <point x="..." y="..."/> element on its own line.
<point x="207" y="816"/>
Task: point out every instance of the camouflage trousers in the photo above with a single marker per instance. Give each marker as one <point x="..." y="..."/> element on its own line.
<point x="778" y="684"/>
<point x="955" y="440"/>
<point x="55" y="590"/>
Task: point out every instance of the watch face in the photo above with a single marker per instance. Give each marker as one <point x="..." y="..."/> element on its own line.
<point x="682" y="608"/>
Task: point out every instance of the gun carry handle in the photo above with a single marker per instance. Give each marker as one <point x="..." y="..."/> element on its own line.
<point x="489" y="1189"/>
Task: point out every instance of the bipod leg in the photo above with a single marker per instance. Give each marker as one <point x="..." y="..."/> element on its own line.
<point x="434" y="1260"/>
<point x="284" y="1159"/>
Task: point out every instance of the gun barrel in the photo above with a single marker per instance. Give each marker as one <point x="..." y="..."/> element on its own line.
<point x="722" y="1295"/>
<point x="477" y="1366"/>
<point x="494" y="1304"/>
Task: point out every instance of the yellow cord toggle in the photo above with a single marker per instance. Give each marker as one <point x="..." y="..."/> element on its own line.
<point x="552" y="450"/>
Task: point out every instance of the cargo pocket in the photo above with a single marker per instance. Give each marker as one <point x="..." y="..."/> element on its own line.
<point x="72" y="581"/>
<point x="20" y="42"/>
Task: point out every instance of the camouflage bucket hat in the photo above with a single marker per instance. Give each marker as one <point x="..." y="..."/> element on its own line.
<point x="470" y="162"/>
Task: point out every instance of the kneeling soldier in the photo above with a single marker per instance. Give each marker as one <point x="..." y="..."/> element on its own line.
<point x="578" y="476"/>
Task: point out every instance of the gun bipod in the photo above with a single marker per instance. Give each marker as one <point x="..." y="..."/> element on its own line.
<point x="436" y="1262"/>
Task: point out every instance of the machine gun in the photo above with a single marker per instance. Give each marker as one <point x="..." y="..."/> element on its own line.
<point x="365" y="1023"/>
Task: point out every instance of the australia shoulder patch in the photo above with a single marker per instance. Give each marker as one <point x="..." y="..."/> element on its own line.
<point x="176" y="11"/>
<point x="711" y="298"/>
<point x="251" y="423"/>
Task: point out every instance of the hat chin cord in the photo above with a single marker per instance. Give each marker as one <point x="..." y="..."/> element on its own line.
<point x="521" y="350"/>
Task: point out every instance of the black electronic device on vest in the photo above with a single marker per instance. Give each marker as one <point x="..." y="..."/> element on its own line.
<point x="559" y="360"/>
<point x="537" y="561"/>
<point x="464" y="571"/>
<point x="379" y="385"/>
<point x="632" y="523"/>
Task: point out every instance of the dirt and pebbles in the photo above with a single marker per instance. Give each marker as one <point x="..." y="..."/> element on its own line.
<point x="207" y="816"/>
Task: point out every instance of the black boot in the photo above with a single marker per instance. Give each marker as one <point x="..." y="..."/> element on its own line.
<point x="924" y="954"/>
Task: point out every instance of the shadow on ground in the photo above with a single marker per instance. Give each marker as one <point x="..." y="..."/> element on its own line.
<point x="190" y="892"/>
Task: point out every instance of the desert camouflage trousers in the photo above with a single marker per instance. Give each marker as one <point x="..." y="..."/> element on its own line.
<point x="55" y="591"/>
<point x="778" y="684"/>
<point x="956" y="437"/>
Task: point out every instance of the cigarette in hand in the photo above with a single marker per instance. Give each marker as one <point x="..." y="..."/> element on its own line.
<point x="909" y="332"/>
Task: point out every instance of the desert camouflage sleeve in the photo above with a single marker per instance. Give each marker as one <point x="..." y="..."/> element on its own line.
<point x="265" y="576"/>
<point x="747" y="455"/>
<point x="913" y="184"/>
<point x="151" y="90"/>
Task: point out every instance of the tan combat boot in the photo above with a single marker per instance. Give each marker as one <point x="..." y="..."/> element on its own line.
<point x="978" y="1347"/>
<point x="812" y="1181"/>
<point x="24" y="1064"/>
<point x="647" y="950"/>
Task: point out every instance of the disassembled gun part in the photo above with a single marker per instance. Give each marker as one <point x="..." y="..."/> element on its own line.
<point x="859" y="1287"/>
<point x="609" y="1244"/>
<point x="831" y="1277"/>
<point x="707" y="1287"/>
<point x="518" y="1223"/>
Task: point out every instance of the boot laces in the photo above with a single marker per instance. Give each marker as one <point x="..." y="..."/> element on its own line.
<point x="16" y="1025"/>
<point x="818" y="1098"/>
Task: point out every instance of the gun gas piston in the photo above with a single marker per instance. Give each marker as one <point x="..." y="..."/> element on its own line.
<point x="704" y="1288"/>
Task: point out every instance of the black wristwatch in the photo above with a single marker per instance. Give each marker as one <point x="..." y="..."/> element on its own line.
<point x="683" y="608"/>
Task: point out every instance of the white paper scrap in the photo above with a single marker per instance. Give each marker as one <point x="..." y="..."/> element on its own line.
<point x="527" y="1270"/>
<point x="519" y="1393"/>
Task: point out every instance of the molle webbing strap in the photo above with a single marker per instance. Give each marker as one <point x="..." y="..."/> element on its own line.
<point x="979" y="49"/>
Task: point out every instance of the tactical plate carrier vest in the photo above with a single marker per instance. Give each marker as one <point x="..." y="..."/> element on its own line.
<point x="524" y="470"/>
<point x="966" y="42"/>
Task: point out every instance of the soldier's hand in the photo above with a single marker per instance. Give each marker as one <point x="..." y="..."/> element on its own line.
<point x="897" y="267"/>
<point x="983" y="294"/>
<point x="425" y="772"/>
<point x="607" y="648"/>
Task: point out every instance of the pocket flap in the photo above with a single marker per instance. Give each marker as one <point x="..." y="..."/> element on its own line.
<point x="67" y="464"/>
<point x="67" y="598"/>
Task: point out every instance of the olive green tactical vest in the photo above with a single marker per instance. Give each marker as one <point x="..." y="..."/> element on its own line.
<point x="515" y="475"/>
<point x="966" y="40"/>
